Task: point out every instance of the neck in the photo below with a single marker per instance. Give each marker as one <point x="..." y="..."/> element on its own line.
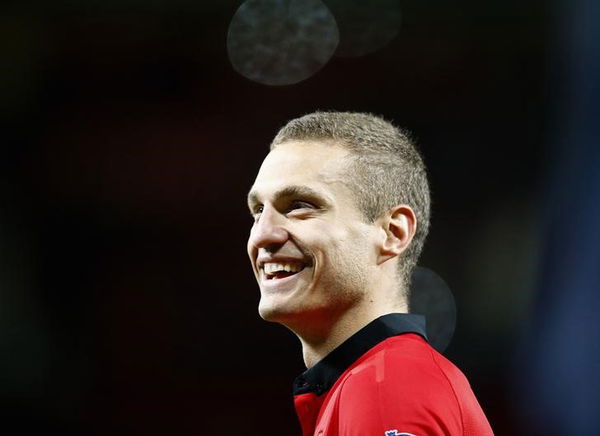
<point x="318" y="343"/>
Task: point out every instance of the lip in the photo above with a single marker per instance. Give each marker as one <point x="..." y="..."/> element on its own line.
<point x="280" y="285"/>
<point x="262" y="260"/>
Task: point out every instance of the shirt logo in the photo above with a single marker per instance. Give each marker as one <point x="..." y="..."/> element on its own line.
<point x="395" y="433"/>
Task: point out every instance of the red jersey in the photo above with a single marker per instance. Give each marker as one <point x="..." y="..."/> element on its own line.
<point x="386" y="380"/>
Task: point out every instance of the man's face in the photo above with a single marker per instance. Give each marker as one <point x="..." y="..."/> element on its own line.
<point x="311" y="249"/>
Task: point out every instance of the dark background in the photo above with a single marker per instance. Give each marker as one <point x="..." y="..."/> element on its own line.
<point x="128" y="305"/>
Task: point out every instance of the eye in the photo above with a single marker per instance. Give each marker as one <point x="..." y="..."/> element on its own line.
<point x="256" y="211"/>
<point x="299" y="204"/>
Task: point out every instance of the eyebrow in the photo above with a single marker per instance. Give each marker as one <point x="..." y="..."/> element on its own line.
<point x="288" y="191"/>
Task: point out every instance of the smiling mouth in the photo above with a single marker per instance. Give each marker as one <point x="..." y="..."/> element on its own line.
<point x="276" y="271"/>
<point x="281" y="274"/>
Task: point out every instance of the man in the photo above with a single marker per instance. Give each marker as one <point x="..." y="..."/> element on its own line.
<point x="341" y="211"/>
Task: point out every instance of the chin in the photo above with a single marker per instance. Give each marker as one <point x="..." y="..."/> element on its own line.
<point x="271" y="312"/>
<point x="277" y="311"/>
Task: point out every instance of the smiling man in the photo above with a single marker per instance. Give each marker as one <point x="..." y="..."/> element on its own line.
<point x="341" y="212"/>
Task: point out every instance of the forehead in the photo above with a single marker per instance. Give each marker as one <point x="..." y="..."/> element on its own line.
<point x="310" y="163"/>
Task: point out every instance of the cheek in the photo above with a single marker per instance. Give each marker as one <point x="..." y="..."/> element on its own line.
<point x="355" y="248"/>
<point x="327" y="237"/>
<point x="333" y="242"/>
<point x="336" y="248"/>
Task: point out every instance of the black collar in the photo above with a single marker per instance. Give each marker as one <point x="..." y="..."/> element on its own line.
<point x="321" y="377"/>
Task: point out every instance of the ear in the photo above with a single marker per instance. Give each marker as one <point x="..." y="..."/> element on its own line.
<point x="399" y="226"/>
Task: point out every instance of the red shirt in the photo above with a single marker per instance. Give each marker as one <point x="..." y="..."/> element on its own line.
<point x="386" y="380"/>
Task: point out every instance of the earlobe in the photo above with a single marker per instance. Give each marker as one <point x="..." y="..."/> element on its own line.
<point x="400" y="225"/>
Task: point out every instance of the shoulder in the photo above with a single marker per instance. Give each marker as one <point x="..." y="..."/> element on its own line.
<point x="403" y="384"/>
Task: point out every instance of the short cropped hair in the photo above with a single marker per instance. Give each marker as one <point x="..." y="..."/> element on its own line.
<point x="385" y="168"/>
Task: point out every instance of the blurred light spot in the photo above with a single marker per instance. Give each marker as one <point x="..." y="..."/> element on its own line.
<point x="431" y="296"/>
<point x="365" y="26"/>
<point x="281" y="42"/>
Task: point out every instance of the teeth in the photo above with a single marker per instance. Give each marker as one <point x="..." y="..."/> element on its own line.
<point x="271" y="268"/>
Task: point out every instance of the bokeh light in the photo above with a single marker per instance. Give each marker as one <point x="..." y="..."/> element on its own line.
<point x="365" y="26"/>
<point x="281" y="42"/>
<point x="431" y="296"/>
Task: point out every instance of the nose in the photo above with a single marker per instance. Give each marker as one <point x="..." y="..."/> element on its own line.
<point x="268" y="232"/>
